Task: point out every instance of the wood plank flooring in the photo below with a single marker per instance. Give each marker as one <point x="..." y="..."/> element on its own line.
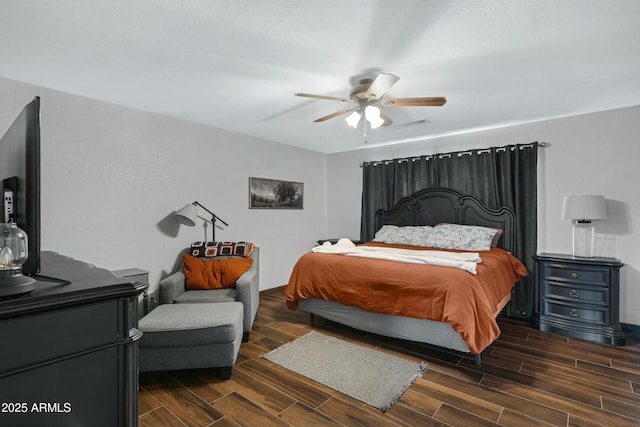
<point x="527" y="378"/>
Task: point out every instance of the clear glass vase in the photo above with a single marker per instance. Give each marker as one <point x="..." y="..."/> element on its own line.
<point x="13" y="247"/>
<point x="13" y="253"/>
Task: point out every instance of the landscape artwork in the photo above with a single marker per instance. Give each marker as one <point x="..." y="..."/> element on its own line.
<point x="275" y="194"/>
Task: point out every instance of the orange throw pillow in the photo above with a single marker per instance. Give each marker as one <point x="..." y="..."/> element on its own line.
<point x="230" y="270"/>
<point x="198" y="273"/>
<point x="213" y="274"/>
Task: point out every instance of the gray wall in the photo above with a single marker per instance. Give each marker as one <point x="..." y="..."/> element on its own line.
<point x="589" y="154"/>
<point x="112" y="176"/>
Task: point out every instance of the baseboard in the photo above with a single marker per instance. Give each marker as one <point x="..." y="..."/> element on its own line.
<point x="278" y="290"/>
<point x="630" y="329"/>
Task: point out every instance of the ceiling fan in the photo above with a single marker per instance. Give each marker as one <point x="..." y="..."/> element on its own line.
<point x="367" y="96"/>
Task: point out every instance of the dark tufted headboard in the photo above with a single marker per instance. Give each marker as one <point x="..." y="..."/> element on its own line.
<point x="432" y="206"/>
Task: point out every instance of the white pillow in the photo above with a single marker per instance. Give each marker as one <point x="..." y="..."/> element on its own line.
<point x="408" y="235"/>
<point x="457" y="236"/>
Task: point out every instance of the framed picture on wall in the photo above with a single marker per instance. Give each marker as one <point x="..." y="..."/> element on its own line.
<point x="275" y="194"/>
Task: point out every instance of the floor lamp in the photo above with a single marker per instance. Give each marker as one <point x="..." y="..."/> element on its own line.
<point x="188" y="214"/>
<point x="582" y="210"/>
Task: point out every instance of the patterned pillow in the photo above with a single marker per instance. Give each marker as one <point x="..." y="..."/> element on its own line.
<point x="213" y="249"/>
<point x="408" y="235"/>
<point x="457" y="236"/>
<point x="496" y="237"/>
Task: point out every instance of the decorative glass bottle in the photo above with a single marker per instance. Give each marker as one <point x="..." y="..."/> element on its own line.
<point x="13" y="253"/>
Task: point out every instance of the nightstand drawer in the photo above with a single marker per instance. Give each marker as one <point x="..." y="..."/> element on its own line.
<point x="577" y="313"/>
<point x="577" y="275"/>
<point x="578" y="294"/>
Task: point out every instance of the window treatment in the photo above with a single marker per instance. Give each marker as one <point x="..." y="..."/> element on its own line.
<point x="499" y="176"/>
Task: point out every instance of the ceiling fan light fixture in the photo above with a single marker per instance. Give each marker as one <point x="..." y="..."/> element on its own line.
<point x="376" y="122"/>
<point x="353" y="119"/>
<point x="367" y="95"/>
<point x="373" y="116"/>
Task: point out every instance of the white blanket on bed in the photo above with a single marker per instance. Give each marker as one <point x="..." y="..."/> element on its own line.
<point x="467" y="261"/>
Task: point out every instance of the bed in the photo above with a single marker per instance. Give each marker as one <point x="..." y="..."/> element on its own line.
<point x="343" y="295"/>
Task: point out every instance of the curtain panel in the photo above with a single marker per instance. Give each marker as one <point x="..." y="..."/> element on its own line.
<point x="499" y="176"/>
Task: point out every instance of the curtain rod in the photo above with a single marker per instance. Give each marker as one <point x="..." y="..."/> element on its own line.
<point x="457" y="153"/>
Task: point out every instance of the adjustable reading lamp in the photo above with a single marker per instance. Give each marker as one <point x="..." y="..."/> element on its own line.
<point x="188" y="214"/>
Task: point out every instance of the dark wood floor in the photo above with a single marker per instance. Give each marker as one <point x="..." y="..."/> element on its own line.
<point x="527" y="378"/>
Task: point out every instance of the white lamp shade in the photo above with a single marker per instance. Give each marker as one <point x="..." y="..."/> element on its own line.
<point x="373" y="116"/>
<point x="584" y="207"/>
<point x="187" y="215"/>
<point x="353" y="119"/>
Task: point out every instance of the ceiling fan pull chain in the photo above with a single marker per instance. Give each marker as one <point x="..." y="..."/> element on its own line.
<point x="364" y="130"/>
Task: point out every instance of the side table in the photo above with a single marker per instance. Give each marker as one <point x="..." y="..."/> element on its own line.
<point x="578" y="297"/>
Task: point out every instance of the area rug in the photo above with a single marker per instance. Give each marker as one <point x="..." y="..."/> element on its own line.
<point x="373" y="377"/>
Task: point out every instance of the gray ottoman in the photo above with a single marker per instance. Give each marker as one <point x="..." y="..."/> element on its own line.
<point x="190" y="336"/>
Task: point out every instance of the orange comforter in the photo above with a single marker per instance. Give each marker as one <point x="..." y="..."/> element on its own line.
<point x="468" y="302"/>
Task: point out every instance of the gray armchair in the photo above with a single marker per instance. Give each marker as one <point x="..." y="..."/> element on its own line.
<point x="172" y="291"/>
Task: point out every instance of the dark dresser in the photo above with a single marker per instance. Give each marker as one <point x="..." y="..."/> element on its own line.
<point x="69" y="350"/>
<point x="578" y="297"/>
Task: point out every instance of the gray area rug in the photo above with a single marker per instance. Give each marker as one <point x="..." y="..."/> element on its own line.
<point x="373" y="377"/>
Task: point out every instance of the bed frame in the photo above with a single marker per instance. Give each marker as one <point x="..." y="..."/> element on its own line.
<point x="430" y="206"/>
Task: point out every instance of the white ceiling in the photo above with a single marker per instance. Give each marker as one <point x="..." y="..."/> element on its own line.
<point x="235" y="64"/>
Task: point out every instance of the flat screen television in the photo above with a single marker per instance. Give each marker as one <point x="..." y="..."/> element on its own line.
<point x="20" y="176"/>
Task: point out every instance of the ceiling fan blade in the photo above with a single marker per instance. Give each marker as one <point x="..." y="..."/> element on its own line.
<point x="416" y="102"/>
<point x="332" y="115"/>
<point x="380" y="85"/>
<point x="330" y="98"/>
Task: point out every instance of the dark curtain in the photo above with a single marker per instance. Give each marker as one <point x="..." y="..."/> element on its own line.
<point x="499" y="176"/>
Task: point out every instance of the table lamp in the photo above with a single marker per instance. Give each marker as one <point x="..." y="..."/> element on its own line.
<point x="582" y="210"/>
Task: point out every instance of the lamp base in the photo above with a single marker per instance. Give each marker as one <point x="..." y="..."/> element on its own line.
<point x="583" y="239"/>
<point x="16" y="284"/>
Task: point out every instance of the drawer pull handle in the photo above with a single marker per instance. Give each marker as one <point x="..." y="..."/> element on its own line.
<point x="573" y="293"/>
<point x="573" y="312"/>
<point x="574" y="275"/>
